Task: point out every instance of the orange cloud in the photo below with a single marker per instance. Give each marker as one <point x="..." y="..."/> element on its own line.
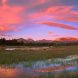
<point x="7" y="28"/>
<point x="64" y="26"/>
<point x="67" y="39"/>
<point x="50" y="33"/>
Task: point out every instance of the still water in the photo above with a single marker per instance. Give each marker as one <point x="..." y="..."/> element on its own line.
<point x="51" y="68"/>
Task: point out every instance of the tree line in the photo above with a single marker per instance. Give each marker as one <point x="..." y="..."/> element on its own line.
<point x="15" y="42"/>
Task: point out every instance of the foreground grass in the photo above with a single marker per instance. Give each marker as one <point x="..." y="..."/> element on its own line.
<point x="8" y="57"/>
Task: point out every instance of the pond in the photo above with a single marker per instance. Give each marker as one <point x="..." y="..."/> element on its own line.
<point x="51" y="68"/>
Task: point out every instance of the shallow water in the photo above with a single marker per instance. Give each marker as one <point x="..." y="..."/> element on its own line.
<point x="51" y="68"/>
<point x="10" y="49"/>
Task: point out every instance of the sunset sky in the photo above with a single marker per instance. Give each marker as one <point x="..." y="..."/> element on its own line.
<point x="38" y="19"/>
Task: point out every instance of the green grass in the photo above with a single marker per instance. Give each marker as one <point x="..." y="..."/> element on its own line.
<point x="9" y="57"/>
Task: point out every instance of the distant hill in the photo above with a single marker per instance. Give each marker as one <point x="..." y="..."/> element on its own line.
<point x="25" y="40"/>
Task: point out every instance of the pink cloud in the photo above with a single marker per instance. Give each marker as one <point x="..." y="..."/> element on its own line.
<point x="58" y="13"/>
<point x="64" y="26"/>
<point x="63" y="13"/>
<point x="56" y="10"/>
<point x="10" y="15"/>
<point x="4" y="2"/>
<point x="41" y="1"/>
<point x="36" y="15"/>
<point x="70" y="19"/>
<point x="7" y="28"/>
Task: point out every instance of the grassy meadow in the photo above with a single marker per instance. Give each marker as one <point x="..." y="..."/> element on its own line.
<point x="35" y="53"/>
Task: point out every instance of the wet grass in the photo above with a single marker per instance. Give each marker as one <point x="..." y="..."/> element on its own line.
<point x="9" y="57"/>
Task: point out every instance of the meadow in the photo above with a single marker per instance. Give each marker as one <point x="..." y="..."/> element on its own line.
<point x="20" y="54"/>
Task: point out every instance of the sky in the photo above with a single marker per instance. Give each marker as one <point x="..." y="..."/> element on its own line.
<point x="38" y="19"/>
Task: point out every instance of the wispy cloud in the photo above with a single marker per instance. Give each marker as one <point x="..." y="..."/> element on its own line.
<point x="65" y="13"/>
<point x="67" y="39"/>
<point x="54" y="24"/>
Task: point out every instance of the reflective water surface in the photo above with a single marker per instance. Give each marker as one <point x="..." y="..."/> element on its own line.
<point x="51" y="68"/>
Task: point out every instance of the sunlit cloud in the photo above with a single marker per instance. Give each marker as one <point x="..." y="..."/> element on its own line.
<point x="7" y="28"/>
<point x="65" y="13"/>
<point x="29" y="15"/>
<point x="67" y="39"/>
<point x="4" y="2"/>
<point x="64" y="26"/>
<point x="50" y="33"/>
<point x="10" y="15"/>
